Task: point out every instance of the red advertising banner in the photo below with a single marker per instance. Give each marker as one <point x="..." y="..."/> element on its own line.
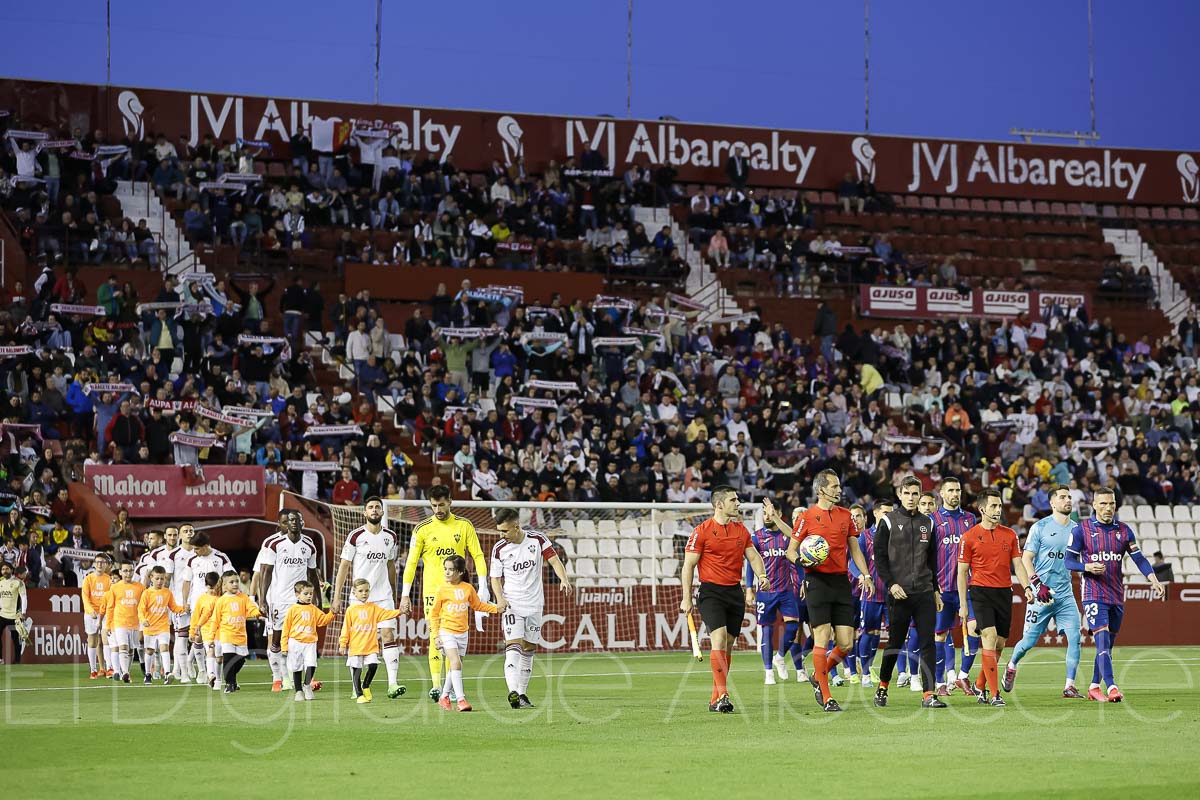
<point x="929" y="302"/>
<point x="165" y="491"/>
<point x="618" y="620"/>
<point x="782" y="158"/>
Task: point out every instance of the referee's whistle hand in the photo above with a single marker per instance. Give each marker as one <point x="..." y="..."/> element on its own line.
<point x="897" y="592"/>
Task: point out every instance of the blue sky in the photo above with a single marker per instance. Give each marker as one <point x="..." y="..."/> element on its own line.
<point x="938" y="67"/>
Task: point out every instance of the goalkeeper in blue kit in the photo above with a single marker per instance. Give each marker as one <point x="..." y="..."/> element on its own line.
<point x="1045" y="560"/>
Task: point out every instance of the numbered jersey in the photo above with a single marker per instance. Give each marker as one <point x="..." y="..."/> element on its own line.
<point x="519" y="565"/>
<point x="369" y="554"/>
<point x="1093" y="542"/>
<point x="290" y="562"/>
<point x="950" y="527"/>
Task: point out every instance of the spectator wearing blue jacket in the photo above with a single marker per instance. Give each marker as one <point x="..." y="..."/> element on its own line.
<point x="83" y="408"/>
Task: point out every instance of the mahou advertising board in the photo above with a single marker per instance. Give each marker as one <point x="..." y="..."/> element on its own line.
<point x="620" y="620"/>
<point x="778" y="157"/>
<point x="165" y="491"/>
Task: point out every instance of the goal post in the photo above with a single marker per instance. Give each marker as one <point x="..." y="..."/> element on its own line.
<point x="624" y="559"/>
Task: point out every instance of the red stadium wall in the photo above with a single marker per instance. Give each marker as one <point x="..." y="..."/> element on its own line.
<point x="783" y="158"/>
<point x="420" y="283"/>
<point x="617" y="620"/>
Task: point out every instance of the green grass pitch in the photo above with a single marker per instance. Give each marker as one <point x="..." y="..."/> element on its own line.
<point x="632" y="725"/>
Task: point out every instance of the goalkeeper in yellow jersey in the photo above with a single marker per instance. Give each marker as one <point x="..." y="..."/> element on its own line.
<point x="434" y="540"/>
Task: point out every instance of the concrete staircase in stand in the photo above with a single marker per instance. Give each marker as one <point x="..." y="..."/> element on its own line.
<point x="139" y="201"/>
<point x="1133" y="250"/>
<point x="702" y="284"/>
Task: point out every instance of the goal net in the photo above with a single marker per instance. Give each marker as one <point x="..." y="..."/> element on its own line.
<point x="624" y="560"/>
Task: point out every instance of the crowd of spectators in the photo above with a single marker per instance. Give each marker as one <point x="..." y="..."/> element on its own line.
<point x="572" y="399"/>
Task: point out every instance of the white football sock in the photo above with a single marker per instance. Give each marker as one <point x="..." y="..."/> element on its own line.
<point x="200" y="660"/>
<point x="457" y="681"/>
<point x="526" y="670"/>
<point x="273" y="660"/>
<point x="92" y="659"/>
<point x="512" y="667"/>
<point x="211" y="663"/>
<point x="181" y="644"/>
<point x="149" y="657"/>
<point x="126" y="658"/>
<point x="1070" y="683"/>
<point x="391" y="662"/>
<point x="448" y="686"/>
<point x="165" y="655"/>
<point x="108" y="659"/>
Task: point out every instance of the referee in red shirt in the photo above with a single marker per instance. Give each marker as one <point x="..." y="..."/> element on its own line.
<point x="717" y="547"/>
<point x="985" y="552"/>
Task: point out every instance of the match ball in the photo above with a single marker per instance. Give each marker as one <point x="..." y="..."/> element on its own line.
<point x="813" y="550"/>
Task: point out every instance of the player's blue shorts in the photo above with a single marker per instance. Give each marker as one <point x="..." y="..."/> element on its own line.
<point x="1103" y="615"/>
<point x="947" y="618"/>
<point x="872" y="615"/>
<point x="768" y="604"/>
<point x="1062" y="610"/>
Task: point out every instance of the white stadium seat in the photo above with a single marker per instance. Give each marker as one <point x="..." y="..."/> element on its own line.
<point x="629" y="548"/>
<point x="567" y="526"/>
<point x="628" y="527"/>
<point x="624" y="581"/>
<point x="1145" y="530"/>
<point x="648" y="548"/>
<point x="666" y="547"/>
<point x="586" y="548"/>
<point x="606" y="527"/>
<point x="1143" y="513"/>
<point x="585" y="583"/>
<point x="1138" y="578"/>
<point x="1196" y="513"/>
<point x="1181" y="513"/>
<point x="1162" y="513"/>
<point x="669" y="566"/>
<point x="585" y="527"/>
<point x="606" y="567"/>
<point x="609" y="548"/>
<point x="1185" y="530"/>
<point x="1191" y="565"/>
<point x="1166" y="530"/>
<point x="610" y="583"/>
<point x="567" y="545"/>
<point x="1169" y="547"/>
<point x="675" y="581"/>
<point x="1187" y="547"/>
<point x="584" y="568"/>
<point x="648" y="567"/>
<point x="629" y="568"/>
<point x="1148" y="545"/>
<point x="649" y="530"/>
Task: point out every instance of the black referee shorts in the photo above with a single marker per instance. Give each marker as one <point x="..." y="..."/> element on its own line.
<point x="722" y="607"/>
<point x="829" y="598"/>
<point x="993" y="608"/>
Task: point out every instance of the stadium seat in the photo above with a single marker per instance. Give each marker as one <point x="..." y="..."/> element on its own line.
<point x="1162" y="513"/>
<point x="585" y="583"/>
<point x="629" y="568"/>
<point x="629" y="547"/>
<point x="607" y="583"/>
<point x="1166" y="530"/>
<point x="585" y="527"/>
<point x="606" y="527"/>
<point x="1144" y="513"/>
<point x="609" y="548"/>
<point x="1181" y="513"/>
<point x="567" y="526"/>
<point x="668" y="566"/>
<point x="586" y="548"/>
<point x="1185" y="530"/>
<point x="648" y="567"/>
<point x="676" y="581"/>
<point x="625" y="581"/>
<point x="648" y="547"/>
<point x="628" y="527"/>
<point x="666" y="547"/>
<point x="1148" y="545"/>
<point x="567" y="545"/>
<point x="1138" y="579"/>
<point x="1187" y="547"/>
<point x="649" y="529"/>
<point x="1191" y="565"/>
<point x="1145" y="530"/>
<point x="1196" y="513"/>
<point x="606" y="567"/>
<point x="1169" y="548"/>
<point x="584" y="568"/>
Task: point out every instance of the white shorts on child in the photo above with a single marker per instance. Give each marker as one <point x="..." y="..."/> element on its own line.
<point x="224" y="648"/>
<point x="124" y="637"/>
<point x="358" y="662"/>
<point x="301" y="655"/>
<point x="453" y="641"/>
<point x="91" y="624"/>
<point x="157" y="641"/>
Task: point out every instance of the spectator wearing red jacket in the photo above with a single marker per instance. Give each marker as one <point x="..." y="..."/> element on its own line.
<point x="347" y="492"/>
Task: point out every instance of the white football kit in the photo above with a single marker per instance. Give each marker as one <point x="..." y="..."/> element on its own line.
<point x="520" y="567"/>
<point x="290" y="562"/>
<point x="369" y="554"/>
